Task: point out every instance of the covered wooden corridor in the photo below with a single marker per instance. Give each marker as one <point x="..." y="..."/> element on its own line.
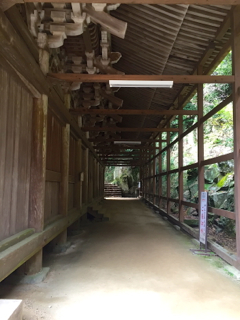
<point x="63" y="120"/>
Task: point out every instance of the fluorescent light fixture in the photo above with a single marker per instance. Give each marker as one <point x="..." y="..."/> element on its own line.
<point x="140" y="84"/>
<point x="127" y="142"/>
<point x="124" y="159"/>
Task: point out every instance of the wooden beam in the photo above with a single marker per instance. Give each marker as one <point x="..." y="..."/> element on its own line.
<point x="236" y="120"/>
<point x="200" y="142"/>
<point x="76" y="77"/>
<point x="127" y="154"/>
<point x="139" y="112"/>
<point x="99" y="139"/>
<point x="114" y="147"/>
<point x="118" y="129"/>
<point x="110" y="97"/>
<point x="196" y="2"/>
<point x="111" y="24"/>
<point x="21" y="28"/>
<point x="15" y="256"/>
<point x="14" y="50"/>
<point x="117" y="156"/>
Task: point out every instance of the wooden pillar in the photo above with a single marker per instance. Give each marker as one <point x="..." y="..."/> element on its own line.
<point x="65" y="163"/>
<point x="200" y="141"/>
<point x="168" y="175"/>
<point x="89" y="177"/>
<point x="78" y="187"/>
<point x="64" y="170"/>
<point x="103" y="180"/>
<point x="180" y="171"/>
<point x="236" y="119"/>
<point x="148" y="179"/>
<point x="153" y="173"/>
<point x="38" y="164"/>
<point x="98" y="179"/>
<point x="160" y="171"/>
<point x="143" y="181"/>
<point x="85" y="170"/>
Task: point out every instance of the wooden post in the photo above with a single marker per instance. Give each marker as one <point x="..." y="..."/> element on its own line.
<point x="148" y="180"/>
<point x="85" y="172"/>
<point x="168" y="175"/>
<point x="65" y="163"/>
<point x="200" y="141"/>
<point x="180" y="171"/>
<point x="78" y="188"/>
<point x="89" y="173"/>
<point x="160" y="171"/>
<point x="38" y="164"/>
<point x="154" y="178"/>
<point x="98" y="179"/>
<point x="236" y="119"/>
<point x="33" y="265"/>
<point x="64" y="170"/>
<point x="143" y="181"/>
<point x="88" y="167"/>
<point x="103" y="180"/>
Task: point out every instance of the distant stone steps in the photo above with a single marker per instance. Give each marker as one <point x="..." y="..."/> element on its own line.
<point x="111" y="190"/>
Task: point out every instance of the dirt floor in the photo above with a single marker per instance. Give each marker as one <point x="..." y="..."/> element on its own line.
<point x="136" y="266"/>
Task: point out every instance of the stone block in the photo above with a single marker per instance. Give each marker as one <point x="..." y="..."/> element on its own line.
<point x="11" y="309"/>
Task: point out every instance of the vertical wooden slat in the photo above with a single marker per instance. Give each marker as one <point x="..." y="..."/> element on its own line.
<point x="3" y="122"/>
<point x="160" y="171"/>
<point x="200" y="140"/>
<point x="86" y="168"/>
<point x="16" y="186"/>
<point x="236" y="119"/>
<point x="7" y="173"/>
<point x="64" y="170"/>
<point x="78" y="187"/>
<point x="154" y="178"/>
<point x="180" y="171"/>
<point x="97" y="177"/>
<point x="27" y="121"/>
<point x="168" y="175"/>
<point x="38" y="163"/>
<point x="15" y="145"/>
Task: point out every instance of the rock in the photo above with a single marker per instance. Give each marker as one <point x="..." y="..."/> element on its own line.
<point x="218" y="198"/>
<point x="212" y="172"/>
<point x="193" y="190"/>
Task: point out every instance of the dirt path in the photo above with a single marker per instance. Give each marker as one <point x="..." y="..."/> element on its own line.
<point x="136" y="266"/>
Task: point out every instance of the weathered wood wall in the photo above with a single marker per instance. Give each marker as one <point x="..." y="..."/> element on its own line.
<point x="15" y="154"/>
<point x="72" y="173"/>
<point x="53" y="167"/>
<point x="43" y="152"/>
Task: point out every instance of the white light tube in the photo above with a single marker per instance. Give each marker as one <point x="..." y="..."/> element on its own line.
<point x="140" y="84"/>
<point x="127" y="142"/>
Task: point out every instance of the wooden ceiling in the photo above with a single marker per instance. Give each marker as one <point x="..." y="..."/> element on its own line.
<point x="163" y="40"/>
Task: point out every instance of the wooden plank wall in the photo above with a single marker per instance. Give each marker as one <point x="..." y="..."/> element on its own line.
<point x="40" y="151"/>
<point x="72" y="173"/>
<point x="53" y="167"/>
<point x="15" y="154"/>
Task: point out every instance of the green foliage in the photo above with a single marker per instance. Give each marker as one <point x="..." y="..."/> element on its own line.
<point x="214" y="93"/>
<point x="109" y="174"/>
<point x="223" y="181"/>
